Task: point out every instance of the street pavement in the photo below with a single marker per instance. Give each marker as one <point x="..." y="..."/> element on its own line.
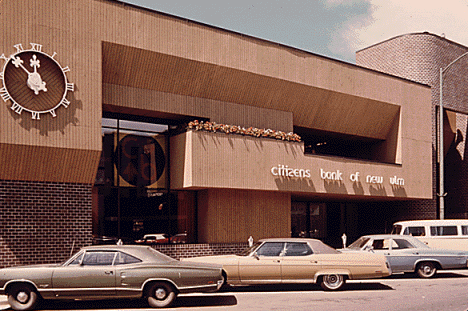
<point x="4" y="305"/>
<point x="446" y="291"/>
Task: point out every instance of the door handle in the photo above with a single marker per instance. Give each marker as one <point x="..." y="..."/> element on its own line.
<point x="314" y="261"/>
<point x="109" y="272"/>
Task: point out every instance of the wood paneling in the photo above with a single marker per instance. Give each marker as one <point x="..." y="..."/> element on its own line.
<point x="37" y="163"/>
<point x="156" y="62"/>
<point x="312" y="107"/>
<point x="67" y="147"/>
<point x="205" y="160"/>
<point x="234" y="215"/>
<point x="148" y="102"/>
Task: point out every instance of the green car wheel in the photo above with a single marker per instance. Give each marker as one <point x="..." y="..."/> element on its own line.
<point x="22" y="297"/>
<point x="161" y="295"/>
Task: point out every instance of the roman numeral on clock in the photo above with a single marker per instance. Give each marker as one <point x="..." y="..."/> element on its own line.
<point x="36" y="47"/>
<point x="4" y="94"/>
<point x="16" y="108"/>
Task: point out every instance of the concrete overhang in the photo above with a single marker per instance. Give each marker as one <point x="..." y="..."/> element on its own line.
<point x="312" y="106"/>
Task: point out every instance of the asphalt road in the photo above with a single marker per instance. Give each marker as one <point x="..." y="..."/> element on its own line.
<point x="445" y="292"/>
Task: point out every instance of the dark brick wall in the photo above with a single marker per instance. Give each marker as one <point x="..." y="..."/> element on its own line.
<point x="43" y="222"/>
<point x="419" y="57"/>
<point x="40" y="222"/>
<point x="178" y="251"/>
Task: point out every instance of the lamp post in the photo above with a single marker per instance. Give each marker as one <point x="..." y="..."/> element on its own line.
<point x="442" y="193"/>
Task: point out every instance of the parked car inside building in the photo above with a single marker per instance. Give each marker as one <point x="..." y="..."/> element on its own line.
<point x="408" y="254"/>
<point x="158" y="238"/>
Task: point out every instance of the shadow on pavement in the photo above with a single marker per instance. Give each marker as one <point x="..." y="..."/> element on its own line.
<point x="439" y="275"/>
<point x="303" y="287"/>
<point x="181" y="302"/>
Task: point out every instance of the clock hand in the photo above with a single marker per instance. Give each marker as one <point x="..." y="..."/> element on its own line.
<point x="18" y="62"/>
<point x="34" y="82"/>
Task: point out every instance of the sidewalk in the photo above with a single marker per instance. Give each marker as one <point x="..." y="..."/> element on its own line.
<point x="4" y="305"/>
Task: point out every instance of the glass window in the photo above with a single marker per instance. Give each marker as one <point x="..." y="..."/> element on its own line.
<point x="132" y="180"/>
<point x="270" y="249"/>
<point x="297" y="249"/>
<point x="123" y="259"/>
<point x="98" y="258"/>
<point x="401" y="244"/>
<point x="464" y="230"/>
<point x="77" y="260"/>
<point x="248" y="251"/>
<point x="443" y="230"/>
<point x="383" y="244"/>
<point x="359" y="243"/>
<point x="396" y="229"/>
<point x="415" y="231"/>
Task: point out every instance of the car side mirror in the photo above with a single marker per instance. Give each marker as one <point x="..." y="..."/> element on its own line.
<point x="369" y="248"/>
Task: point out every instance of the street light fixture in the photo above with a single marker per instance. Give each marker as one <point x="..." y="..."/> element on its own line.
<point x="442" y="193"/>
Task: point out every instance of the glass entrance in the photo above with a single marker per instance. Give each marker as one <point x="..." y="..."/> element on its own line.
<point x="131" y="194"/>
<point x="308" y="219"/>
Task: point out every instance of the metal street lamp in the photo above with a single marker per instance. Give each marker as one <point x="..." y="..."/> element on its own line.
<point x="442" y="193"/>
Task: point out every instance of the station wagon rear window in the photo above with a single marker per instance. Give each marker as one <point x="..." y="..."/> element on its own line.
<point x="464" y="230"/>
<point x="443" y="230"/>
<point x="414" y="231"/>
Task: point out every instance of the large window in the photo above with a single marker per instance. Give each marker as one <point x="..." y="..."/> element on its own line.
<point x="132" y="194"/>
<point x="341" y="145"/>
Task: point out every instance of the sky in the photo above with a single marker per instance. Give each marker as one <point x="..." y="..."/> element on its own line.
<point x="332" y="28"/>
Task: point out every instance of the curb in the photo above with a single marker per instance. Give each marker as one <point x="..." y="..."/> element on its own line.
<point x="4" y="305"/>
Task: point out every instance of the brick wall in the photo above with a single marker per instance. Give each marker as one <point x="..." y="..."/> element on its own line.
<point x="419" y="57"/>
<point x="178" y="251"/>
<point x="40" y="221"/>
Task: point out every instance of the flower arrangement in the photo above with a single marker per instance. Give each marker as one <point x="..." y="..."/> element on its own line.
<point x="235" y="129"/>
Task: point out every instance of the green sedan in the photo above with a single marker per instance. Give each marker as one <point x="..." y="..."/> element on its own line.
<point x="109" y="272"/>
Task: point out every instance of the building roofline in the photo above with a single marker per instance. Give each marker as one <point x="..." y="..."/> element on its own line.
<point x="229" y="31"/>
<point x="120" y="2"/>
<point x="442" y="38"/>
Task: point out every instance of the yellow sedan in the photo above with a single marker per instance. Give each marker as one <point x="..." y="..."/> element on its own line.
<point x="293" y="260"/>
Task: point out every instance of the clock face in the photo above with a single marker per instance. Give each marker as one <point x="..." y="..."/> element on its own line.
<point x="34" y="82"/>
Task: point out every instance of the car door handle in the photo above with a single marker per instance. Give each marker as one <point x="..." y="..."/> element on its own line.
<point x="314" y="261"/>
<point x="108" y="272"/>
<point x="386" y="253"/>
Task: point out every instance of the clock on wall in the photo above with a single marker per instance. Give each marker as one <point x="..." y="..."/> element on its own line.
<point x="34" y="82"/>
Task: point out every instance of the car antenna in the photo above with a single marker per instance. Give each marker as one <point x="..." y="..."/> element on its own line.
<point x="73" y="246"/>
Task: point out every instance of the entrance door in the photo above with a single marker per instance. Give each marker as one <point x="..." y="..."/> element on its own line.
<point x="308" y="219"/>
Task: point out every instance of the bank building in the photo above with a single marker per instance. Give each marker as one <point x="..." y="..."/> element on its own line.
<point x="120" y="121"/>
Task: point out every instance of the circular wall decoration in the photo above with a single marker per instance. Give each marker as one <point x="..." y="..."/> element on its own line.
<point x="142" y="160"/>
<point x="34" y="82"/>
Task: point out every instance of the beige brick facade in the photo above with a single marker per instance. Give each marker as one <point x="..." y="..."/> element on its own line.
<point x="419" y="57"/>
